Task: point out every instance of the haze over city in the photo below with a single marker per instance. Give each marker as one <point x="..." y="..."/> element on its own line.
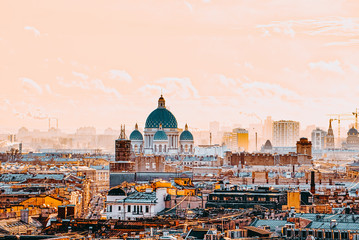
<point x="104" y="64"/>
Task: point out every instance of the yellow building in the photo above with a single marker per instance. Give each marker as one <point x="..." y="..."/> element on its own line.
<point x="40" y="201"/>
<point x="237" y="140"/>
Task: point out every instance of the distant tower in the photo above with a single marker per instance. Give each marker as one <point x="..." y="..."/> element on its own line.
<point x="122" y="150"/>
<point x="329" y="139"/>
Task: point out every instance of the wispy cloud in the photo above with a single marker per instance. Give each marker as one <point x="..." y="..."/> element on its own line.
<point x="333" y="66"/>
<point x="31" y="83"/>
<point x="336" y="26"/>
<point x="99" y="85"/>
<point x="120" y="75"/>
<point x="33" y="29"/>
<point x="190" y="7"/>
<point x="81" y="75"/>
<point x="350" y="42"/>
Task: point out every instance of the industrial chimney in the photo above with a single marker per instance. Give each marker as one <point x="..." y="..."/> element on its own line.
<point x="312" y="182"/>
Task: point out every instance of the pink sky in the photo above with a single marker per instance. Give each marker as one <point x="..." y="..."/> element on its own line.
<point x="103" y="63"/>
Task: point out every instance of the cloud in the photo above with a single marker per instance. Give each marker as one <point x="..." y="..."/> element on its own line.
<point x="120" y="75"/>
<point x="190" y="7"/>
<point x="99" y="85"/>
<point x="333" y="66"/>
<point x="178" y="87"/>
<point x="33" y="29"/>
<point x="95" y="84"/>
<point x="336" y="26"/>
<point x="278" y="27"/>
<point x="350" y="42"/>
<point x="31" y="83"/>
<point x="81" y="75"/>
<point x="228" y="82"/>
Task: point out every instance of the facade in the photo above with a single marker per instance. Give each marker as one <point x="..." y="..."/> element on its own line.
<point x="161" y="135"/>
<point x="137" y="205"/>
<point x="318" y="139"/>
<point x="304" y="147"/>
<point x="285" y="133"/>
<point x="122" y="154"/>
<point x="234" y="198"/>
<point x="237" y="140"/>
<point x="352" y="141"/>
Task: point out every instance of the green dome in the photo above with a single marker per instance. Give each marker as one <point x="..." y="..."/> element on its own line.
<point x="161" y="116"/>
<point x="186" y="136"/>
<point x="136" y="135"/>
<point x="160" y="135"/>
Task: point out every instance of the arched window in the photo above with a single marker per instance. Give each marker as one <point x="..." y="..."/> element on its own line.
<point x="186" y="148"/>
<point x="191" y="148"/>
<point x="165" y="149"/>
<point x="155" y="148"/>
<point x="136" y="148"/>
<point x="160" y="148"/>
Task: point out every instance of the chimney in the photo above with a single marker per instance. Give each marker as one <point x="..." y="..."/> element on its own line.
<point x="312" y="182"/>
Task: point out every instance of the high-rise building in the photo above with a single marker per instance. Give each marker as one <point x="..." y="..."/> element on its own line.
<point x="240" y="138"/>
<point x="268" y="128"/>
<point x="285" y="133"/>
<point x="214" y="127"/>
<point x="318" y="139"/>
<point x="329" y="138"/>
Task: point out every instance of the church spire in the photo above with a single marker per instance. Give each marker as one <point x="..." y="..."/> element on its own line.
<point x="186" y="127"/>
<point x="123" y="132"/>
<point x="136" y="126"/>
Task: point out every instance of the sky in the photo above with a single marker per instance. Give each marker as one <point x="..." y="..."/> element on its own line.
<point x="105" y="63"/>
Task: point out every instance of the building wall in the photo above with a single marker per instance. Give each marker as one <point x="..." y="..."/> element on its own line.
<point x="285" y="133"/>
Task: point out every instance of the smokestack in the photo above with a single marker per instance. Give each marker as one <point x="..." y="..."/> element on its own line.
<point x="312" y="182"/>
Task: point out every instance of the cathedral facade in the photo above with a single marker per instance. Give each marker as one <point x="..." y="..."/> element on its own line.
<point x="162" y="135"/>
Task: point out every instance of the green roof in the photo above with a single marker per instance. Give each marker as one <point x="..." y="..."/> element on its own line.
<point x="161" y="116"/>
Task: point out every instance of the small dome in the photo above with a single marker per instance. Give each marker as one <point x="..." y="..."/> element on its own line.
<point x="160" y="136"/>
<point x="136" y="135"/>
<point x="186" y="136"/>
<point x="116" y="192"/>
<point x="268" y="145"/>
<point x="352" y="132"/>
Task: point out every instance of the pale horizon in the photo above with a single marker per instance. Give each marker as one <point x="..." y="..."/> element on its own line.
<point x="104" y="64"/>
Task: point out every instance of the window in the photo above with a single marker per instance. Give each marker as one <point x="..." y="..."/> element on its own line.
<point x="154" y="165"/>
<point x="129" y="208"/>
<point x="110" y="208"/>
<point x="141" y="209"/>
<point x="119" y="208"/>
<point x="261" y="199"/>
<point x="249" y="199"/>
<point x="147" y="209"/>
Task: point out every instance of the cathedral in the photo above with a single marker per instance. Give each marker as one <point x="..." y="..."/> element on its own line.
<point x="161" y="135"/>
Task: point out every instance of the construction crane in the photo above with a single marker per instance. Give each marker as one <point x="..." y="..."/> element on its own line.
<point x="356" y="118"/>
<point x="339" y="118"/>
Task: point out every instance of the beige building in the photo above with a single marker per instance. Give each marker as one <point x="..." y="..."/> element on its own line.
<point x="285" y="133"/>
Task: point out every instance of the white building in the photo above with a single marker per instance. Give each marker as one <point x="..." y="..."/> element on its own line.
<point x="285" y="133"/>
<point x="318" y="139"/>
<point x="161" y="134"/>
<point x="136" y="205"/>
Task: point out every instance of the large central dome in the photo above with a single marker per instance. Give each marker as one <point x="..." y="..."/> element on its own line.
<point x="161" y="116"/>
